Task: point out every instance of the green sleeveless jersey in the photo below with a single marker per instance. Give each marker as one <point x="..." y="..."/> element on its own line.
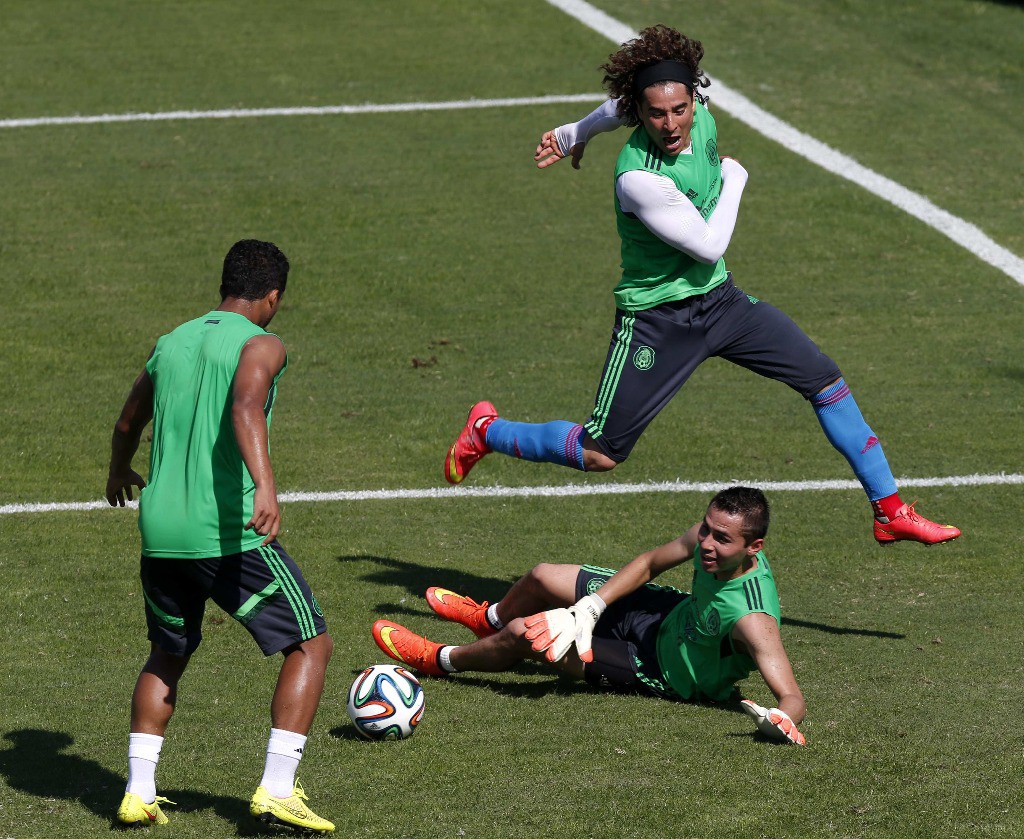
<point x="695" y="650"/>
<point x="654" y="272"/>
<point x="200" y="494"/>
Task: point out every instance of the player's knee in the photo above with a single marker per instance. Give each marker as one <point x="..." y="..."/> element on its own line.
<point x="541" y="577"/>
<point x="326" y="644"/>
<point x="596" y="461"/>
<point x="514" y="635"/>
<point x="320" y="647"/>
<point x="168" y="666"/>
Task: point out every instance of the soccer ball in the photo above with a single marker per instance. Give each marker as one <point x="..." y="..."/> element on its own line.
<point x="385" y="702"/>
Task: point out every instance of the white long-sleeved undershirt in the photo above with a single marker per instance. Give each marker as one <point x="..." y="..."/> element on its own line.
<point x="655" y="199"/>
<point x="673" y="218"/>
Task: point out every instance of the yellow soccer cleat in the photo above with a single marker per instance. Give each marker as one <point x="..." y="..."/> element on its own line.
<point x="135" y="811"/>
<point x="291" y="811"/>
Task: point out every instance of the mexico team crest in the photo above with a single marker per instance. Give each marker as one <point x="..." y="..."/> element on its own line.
<point x="712" y="150"/>
<point x="713" y="622"/>
<point x="643" y="358"/>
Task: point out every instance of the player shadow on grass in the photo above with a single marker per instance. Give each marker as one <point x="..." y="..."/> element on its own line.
<point x="416" y="579"/>
<point x="38" y="765"/>
<point x="841" y="630"/>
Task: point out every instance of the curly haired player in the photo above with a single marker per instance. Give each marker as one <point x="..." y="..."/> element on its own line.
<point x="676" y="205"/>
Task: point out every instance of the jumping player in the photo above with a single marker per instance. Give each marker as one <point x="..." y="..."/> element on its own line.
<point x="676" y="204"/>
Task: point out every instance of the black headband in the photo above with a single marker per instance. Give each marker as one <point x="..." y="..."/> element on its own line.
<point x="663" y="71"/>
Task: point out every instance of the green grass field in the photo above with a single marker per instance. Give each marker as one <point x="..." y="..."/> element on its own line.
<point x="433" y="265"/>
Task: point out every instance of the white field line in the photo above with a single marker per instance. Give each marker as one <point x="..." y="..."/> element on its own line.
<point x="568" y="491"/>
<point x="963" y="233"/>
<point x="326" y="110"/>
<point x="739" y="106"/>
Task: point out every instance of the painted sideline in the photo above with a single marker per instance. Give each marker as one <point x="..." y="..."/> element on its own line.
<point x="963" y="233"/>
<point x="325" y="110"/>
<point x="567" y="491"/>
<point x="737" y="105"/>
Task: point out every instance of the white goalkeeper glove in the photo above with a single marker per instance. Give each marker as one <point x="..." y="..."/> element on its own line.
<point x="551" y="633"/>
<point x="586" y="612"/>
<point x="774" y="724"/>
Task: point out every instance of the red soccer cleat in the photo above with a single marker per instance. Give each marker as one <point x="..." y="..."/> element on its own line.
<point x="461" y="609"/>
<point x="408" y="647"/>
<point x="908" y="525"/>
<point x="469" y="446"/>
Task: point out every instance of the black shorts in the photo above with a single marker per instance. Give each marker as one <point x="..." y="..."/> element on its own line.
<point x="654" y="351"/>
<point x="263" y="589"/>
<point x="626" y="635"/>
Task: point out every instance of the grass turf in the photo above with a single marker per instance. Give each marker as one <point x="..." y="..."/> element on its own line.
<point x="434" y="266"/>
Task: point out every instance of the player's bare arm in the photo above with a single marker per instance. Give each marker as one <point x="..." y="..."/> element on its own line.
<point x="648" y="565"/>
<point x="758" y="634"/>
<point x="553" y="632"/>
<point x="261" y="360"/>
<point x="135" y="416"/>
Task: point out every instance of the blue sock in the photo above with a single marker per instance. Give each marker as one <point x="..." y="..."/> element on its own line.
<point x="844" y="426"/>
<point x="558" y="442"/>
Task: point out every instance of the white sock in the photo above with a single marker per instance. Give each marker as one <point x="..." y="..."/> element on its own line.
<point x="143" y="756"/>
<point x="444" y="659"/>
<point x="284" y="751"/>
<point x="492" y="617"/>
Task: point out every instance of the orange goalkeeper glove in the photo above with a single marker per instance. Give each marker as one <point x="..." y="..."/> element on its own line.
<point x="551" y="632"/>
<point x="774" y="724"/>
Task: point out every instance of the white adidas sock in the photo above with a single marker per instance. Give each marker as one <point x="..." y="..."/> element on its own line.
<point x="284" y="751"/>
<point x="143" y="756"/>
<point x="444" y="659"/>
<point x="492" y="617"/>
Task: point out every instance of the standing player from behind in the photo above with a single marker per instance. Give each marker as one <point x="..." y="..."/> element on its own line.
<point x="630" y="635"/>
<point x="209" y="521"/>
<point x="676" y="204"/>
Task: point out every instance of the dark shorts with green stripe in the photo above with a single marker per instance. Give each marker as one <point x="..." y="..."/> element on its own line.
<point x="626" y="636"/>
<point x="653" y="352"/>
<point x="263" y="589"/>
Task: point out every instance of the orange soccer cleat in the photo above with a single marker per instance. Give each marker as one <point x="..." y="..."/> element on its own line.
<point x="470" y="445"/>
<point x="907" y="525"/>
<point x="461" y="609"/>
<point x="408" y="647"/>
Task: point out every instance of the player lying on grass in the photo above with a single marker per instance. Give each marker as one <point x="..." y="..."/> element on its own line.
<point x="676" y="204"/>
<point x="618" y="631"/>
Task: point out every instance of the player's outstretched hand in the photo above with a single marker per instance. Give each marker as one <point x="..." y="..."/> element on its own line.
<point x="551" y="632"/>
<point x="549" y="151"/>
<point x="774" y="724"/>
<point x="119" y="486"/>
<point x="586" y="612"/>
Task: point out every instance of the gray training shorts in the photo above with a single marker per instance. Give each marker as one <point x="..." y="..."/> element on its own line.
<point x="654" y="351"/>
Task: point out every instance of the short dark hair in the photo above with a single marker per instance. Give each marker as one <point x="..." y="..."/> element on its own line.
<point x="748" y="503"/>
<point x="253" y="269"/>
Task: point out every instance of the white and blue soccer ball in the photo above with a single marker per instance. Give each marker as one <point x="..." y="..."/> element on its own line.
<point x="385" y="702"/>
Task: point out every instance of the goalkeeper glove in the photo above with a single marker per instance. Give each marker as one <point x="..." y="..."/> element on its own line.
<point x="551" y="633"/>
<point x="774" y="724"/>
<point x="586" y="612"/>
